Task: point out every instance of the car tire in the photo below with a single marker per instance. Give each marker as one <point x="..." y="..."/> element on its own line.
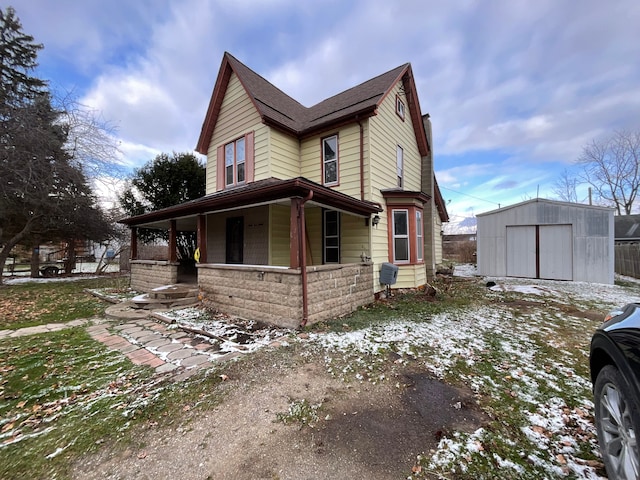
<point x="50" y="271"/>
<point x="618" y="425"/>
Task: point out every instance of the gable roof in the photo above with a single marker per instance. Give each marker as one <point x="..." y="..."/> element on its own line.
<point x="279" y="110"/>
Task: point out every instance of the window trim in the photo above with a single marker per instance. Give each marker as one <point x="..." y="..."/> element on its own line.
<point x="400" y="166"/>
<point x="401" y="108"/>
<point x="324" y="236"/>
<point x="419" y="235"/>
<point x="413" y="235"/>
<point x="249" y="162"/>
<point x="235" y="163"/>
<point x="337" y="160"/>
<point x="396" y="236"/>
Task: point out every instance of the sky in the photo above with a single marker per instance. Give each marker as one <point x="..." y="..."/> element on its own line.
<point x="515" y="88"/>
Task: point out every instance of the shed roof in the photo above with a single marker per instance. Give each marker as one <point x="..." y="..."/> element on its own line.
<point x="545" y="201"/>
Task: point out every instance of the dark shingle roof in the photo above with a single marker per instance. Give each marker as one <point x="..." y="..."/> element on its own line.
<point x="279" y="109"/>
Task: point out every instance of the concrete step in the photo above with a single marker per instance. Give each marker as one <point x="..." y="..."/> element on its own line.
<point x="174" y="291"/>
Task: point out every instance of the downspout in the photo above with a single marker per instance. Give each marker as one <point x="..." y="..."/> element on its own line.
<point x="361" y="160"/>
<point x="303" y="260"/>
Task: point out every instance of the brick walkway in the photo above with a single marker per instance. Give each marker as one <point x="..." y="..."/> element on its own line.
<point x="167" y="350"/>
<point x="144" y="341"/>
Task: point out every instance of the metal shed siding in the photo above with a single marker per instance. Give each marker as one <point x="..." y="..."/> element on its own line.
<point x="592" y="258"/>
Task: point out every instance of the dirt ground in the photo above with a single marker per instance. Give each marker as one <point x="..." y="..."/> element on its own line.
<point x="365" y="430"/>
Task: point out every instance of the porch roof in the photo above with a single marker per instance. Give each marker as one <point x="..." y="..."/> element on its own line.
<point x="271" y="190"/>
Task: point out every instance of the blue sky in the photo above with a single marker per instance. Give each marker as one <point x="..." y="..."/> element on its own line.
<point x="515" y="89"/>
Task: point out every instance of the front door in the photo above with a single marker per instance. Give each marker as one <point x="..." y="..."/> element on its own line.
<point x="235" y="239"/>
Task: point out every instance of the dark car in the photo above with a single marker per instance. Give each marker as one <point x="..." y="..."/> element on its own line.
<point x="615" y="373"/>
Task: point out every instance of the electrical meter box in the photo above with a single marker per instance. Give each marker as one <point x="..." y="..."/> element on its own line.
<point x="388" y="274"/>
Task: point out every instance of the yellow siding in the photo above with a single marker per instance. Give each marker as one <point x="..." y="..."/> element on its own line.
<point x="313" y="217"/>
<point x="348" y="158"/>
<point x="256" y="241"/>
<point x="354" y="241"/>
<point x="437" y="239"/>
<point x="284" y="155"/>
<point x="237" y="117"/>
<point x="279" y="227"/>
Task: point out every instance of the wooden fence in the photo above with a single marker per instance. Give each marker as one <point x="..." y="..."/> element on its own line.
<point x="627" y="261"/>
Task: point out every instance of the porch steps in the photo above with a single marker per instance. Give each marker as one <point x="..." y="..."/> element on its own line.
<point x="167" y="296"/>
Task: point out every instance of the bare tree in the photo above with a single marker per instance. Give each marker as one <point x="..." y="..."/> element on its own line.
<point x="611" y="166"/>
<point x="565" y="187"/>
<point x="91" y="140"/>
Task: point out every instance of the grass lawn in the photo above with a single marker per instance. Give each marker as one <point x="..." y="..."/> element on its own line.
<point x="522" y="349"/>
<point x="37" y="303"/>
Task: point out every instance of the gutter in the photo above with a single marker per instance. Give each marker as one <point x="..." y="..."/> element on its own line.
<point x="303" y="260"/>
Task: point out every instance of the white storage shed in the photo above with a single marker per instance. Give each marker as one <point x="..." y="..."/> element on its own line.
<point x="547" y="239"/>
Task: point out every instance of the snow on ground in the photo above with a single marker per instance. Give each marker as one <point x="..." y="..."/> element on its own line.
<point x="536" y="374"/>
<point x="87" y="268"/>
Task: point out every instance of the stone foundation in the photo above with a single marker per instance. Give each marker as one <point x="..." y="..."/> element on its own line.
<point x="274" y="295"/>
<point x="149" y="274"/>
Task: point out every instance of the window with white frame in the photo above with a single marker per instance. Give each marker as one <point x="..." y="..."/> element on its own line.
<point x="400" y="236"/>
<point x="330" y="160"/>
<point x="399" y="107"/>
<point x="419" y="236"/>
<point x="400" y="165"/>
<point x="234" y="162"/>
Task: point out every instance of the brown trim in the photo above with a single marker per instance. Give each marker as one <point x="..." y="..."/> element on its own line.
<point x="202" y="237"/>
<point x="210" y="119"/>
<point x="173" y="243"/>
<point x="405" y="194"/>
<point x="220" y="173"/>
<point x="411" y="210"/>
<point x="262" y="191"/>
<point x="134" y="244"/>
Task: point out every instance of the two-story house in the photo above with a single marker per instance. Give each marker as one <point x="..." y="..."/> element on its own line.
<point x="305" y="205"/>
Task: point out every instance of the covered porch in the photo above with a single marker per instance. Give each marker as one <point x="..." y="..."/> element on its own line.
<point x="288" y="252"/>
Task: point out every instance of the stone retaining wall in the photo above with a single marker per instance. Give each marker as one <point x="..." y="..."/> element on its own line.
<point x="149" y="274"/>
<point x="274" y="295"/>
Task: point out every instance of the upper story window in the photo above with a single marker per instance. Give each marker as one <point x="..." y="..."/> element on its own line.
<point x="234" y="161"/>
<point x="330" y="160"/>
<point x="400" y="165"/>
<point x="400" y="107"/>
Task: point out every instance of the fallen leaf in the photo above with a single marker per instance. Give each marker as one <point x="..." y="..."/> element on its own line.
<point x="416" y="469"/>
<point x="7" y="427"/>
<point x="21" y="404"/>
<point x="142" y="455"/>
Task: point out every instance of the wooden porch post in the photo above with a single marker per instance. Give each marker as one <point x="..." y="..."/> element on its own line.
<point x="202" y="238"/>
<point x="294" y="233"/>
<point x="173" y="254"/>
<point x="134" y="244"/>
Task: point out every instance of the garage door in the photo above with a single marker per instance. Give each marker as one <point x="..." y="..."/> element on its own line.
<point x="521" y="251"/>
<point x="556" y="252"/>
<point x="540" y="251"/>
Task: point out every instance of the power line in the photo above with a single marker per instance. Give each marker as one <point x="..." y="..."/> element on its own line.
<point x="470" y="196"/>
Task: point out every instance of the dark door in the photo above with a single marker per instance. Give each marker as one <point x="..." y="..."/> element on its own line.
<point x="235" y="239"/>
